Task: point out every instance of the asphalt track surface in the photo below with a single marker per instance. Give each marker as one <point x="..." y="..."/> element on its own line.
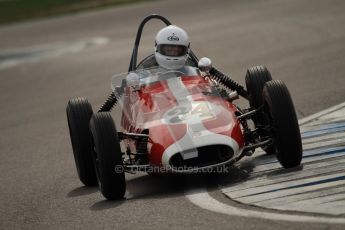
<point x="45" y="63"/>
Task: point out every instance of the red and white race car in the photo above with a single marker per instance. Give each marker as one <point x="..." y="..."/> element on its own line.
<point x="180" y="121"/>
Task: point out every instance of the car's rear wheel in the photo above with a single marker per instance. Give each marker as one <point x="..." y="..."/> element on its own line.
<point x="282" y="117"/>
<point x="108" y="156"/>
<point x="256" y="77"/>
<point x="79" y="112"/>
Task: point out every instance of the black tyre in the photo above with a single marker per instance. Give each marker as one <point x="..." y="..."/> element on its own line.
<point x="108" y="157"/>
<point x="285" y="129"/>
<point x="79" y="112"/>
<point x="256" y="78"/>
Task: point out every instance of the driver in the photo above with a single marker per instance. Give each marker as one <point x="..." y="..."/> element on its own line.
<point x="170" y="52"/>
<point x="172" y="47"/>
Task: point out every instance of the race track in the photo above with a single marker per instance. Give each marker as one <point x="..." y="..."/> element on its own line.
<point x="44" y="63"/>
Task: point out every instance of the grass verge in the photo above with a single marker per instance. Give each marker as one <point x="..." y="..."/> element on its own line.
<point x="17" y="10"/>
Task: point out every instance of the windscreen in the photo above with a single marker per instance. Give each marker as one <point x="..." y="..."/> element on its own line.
<point x="150" y="75"/>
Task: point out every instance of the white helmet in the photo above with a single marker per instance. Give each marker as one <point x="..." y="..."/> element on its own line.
<point x="172" y="47"/>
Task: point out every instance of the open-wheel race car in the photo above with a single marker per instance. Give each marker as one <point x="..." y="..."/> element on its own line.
<point x="180" y="121"/>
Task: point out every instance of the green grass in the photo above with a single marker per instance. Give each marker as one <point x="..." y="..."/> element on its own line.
<point x="15" y="10"/>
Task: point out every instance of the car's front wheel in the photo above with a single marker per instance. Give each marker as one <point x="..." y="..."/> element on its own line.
<point x="108" y="156"/>
<point x="282" y="117"/>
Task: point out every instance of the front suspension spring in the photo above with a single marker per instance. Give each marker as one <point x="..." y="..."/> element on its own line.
<point x="109" y="103"/>
<point x="228" y="82"/>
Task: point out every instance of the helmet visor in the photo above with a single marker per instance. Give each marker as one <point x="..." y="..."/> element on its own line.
<point x="172" y="50"/>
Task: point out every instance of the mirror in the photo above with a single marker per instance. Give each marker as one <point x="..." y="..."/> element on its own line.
<point x="205" y="64"/>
